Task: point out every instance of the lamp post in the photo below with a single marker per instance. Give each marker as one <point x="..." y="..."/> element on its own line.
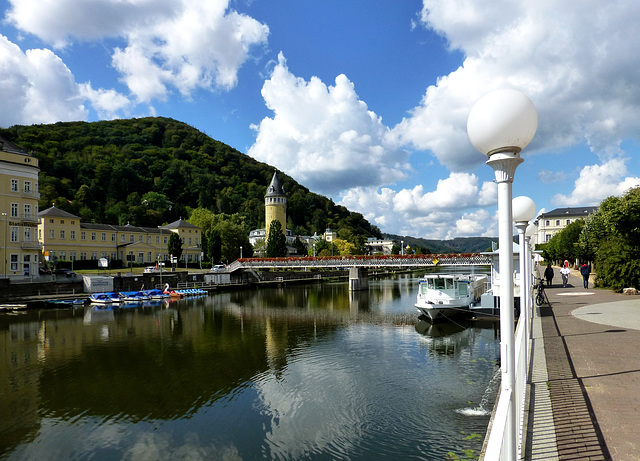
<point x="500" y="125"/>
<point x="5" y="245"/>
<point x="240" y="251"/>
<point x="524" y="211"/>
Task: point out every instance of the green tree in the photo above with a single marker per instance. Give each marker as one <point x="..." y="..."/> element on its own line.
<point x="174" y="246"/>
<point x="276" y="243"/>
<point x="612" y="234"/>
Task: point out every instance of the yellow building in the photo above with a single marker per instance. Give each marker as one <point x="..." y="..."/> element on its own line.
<point x="64" y="238"/>
<point x="275" y="206"/>
<point x="19" y="196"/>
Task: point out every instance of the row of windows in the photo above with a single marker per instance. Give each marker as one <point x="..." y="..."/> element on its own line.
<point x="548" y="222"/>
<point x="62" y="235"/>
<point x="15" y="186"/>
<point x="94" y="255"/>
<point x="30" y="211"/>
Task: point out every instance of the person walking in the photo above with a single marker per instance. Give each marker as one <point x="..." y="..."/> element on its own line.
<point x="585" y="270"/>
<point x="548" y="274"/>
<point x="565" y="271"/>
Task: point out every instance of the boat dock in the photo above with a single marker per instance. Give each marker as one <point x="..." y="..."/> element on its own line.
<point x="585" y="376"/>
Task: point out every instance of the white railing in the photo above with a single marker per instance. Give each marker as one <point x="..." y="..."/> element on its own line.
<point x="497" y="448"/>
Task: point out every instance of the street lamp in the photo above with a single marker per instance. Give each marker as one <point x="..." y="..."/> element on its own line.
<point x="500" y="125"/>
<point x="5" y="244"/>
<point x="524" y="210"/>
<point x="240" y="251"/>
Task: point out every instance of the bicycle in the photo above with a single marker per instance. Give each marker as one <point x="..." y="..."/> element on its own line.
<point x="541" y="296"/>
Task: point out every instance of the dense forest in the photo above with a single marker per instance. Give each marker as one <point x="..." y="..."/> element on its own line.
<point x="152" y="171"/>
<point x="456" y="245"/>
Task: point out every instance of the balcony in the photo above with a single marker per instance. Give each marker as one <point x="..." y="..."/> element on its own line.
<point x="30" y="245"/>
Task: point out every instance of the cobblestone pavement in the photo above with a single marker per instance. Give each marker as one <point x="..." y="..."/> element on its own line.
<point x="591" y="356"/>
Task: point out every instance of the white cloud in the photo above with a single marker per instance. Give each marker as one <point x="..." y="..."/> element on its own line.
<point x="449" y="211"/>
<point x="324" y="136"/>
<point x="597" y="182"/>
<point x="186" y="44"/>
<point x="584" y="80"/>
<point x="41" y="87"/>
<point x="108" y="103"/>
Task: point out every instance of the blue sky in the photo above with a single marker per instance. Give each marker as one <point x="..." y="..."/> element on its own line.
<point x="363" y="101"/>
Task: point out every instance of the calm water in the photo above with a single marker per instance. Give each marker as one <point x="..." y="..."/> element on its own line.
<point x="296" y="373"/>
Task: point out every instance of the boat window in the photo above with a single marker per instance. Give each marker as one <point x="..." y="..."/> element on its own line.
<point x="463" y="288"/>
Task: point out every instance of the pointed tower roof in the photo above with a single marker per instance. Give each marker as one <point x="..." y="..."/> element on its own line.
<point x="275" y="188"/>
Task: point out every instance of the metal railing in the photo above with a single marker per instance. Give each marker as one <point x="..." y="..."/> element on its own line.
<point x="497" y="448"/>
<point x="430" y="260"/>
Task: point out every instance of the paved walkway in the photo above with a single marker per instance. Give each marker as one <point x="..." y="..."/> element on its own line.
<point x="585" y="378"/>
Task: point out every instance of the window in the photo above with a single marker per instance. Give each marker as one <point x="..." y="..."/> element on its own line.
<point x="72" y="255"/>
<point x="62" y="221"/>
<point x="27" y="187"/>
<point x="61" y="234"/>
<point x="72" y="235"/>
<point x="189" y="241"/>
<point x="131" y="238"/>
<point x="104" y="236"/>
<point x="141" y="238"/>
<point x="63" y="255"/>
<point x="14" y="185"/>
<point x="83" y="235"/>
<point x="157" y="239"/>
<point x="14" y="210"/>
<point x="166" y="240"/>
<point x="149" y="239"/>
<point x="547" y="237"/>
<point x="14" y="263"/>
<point x="15" y="233"/>
<point x="83" y="255"/>
<point x="51" y="221"/>
<point x="94" y="255"/>
<point x="27" y="211"/>
<point x="27" y="234"/>
<point x="123" y="238"/>
<point x="547" y="222"/>
<point x="557" y="222"/>
<point x="52" y="234"/>
<point x="113" y="237"/>
<point x="93" y="236"/>
<point x="568" y="222"/>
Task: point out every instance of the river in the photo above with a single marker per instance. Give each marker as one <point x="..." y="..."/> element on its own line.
<point x="296" y="373"/>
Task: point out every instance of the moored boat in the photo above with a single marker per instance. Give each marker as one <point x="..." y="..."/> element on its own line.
<point x="105" y="298"/>
<point x="442" y="296"/>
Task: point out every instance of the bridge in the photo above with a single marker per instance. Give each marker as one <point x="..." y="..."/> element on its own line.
<point x="376" y="261"/>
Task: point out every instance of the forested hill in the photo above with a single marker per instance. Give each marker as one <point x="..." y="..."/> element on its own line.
<point x="152" y="171"/>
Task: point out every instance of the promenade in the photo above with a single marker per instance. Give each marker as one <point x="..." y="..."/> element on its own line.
<point x="585" y="377"/>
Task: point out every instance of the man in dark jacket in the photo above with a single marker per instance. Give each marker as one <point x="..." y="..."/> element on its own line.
<point x="585" y="270"/>
<point x="548" y="274"/>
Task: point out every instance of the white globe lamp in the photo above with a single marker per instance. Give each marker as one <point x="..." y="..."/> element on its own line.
<point x="500" y="125"/>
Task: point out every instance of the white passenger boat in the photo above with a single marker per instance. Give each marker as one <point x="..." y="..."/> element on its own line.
<point x="441" y="296"/>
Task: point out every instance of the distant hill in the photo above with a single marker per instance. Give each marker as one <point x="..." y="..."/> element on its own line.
<point x="457" y="245"/>
<point x="154" y="170"/>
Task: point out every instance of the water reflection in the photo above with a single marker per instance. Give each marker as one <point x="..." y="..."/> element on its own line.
<point x="310" y="372"/>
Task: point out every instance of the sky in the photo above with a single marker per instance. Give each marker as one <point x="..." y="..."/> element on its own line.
<point x="365" y="102"/>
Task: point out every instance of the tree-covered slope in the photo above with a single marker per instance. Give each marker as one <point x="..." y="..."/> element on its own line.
<point x="151" y="171"/>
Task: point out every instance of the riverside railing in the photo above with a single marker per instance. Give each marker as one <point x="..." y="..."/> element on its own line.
<point x="496" y="448"/>
<point x="400" y="261"/>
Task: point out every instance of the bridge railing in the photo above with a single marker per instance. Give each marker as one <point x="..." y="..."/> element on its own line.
<point x="453" y="259"/>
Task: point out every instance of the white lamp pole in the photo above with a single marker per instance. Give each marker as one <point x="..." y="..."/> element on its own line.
<point x="523" y="211"/>
<point x="528" y="234"/>
<point x="500" y="125"/>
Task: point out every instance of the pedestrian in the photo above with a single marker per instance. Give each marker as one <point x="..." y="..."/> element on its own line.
<point x="565" y="271"/>
<point x="585" y="270"/>
<point x="548" y="274"/>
